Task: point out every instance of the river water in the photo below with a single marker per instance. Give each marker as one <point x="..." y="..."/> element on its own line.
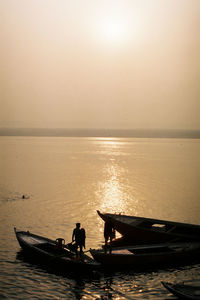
<point x="65" y="180"/>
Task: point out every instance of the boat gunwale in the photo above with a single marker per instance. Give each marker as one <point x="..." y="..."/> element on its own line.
<point x="171" y="247"/>
<point x="151" y="220"/>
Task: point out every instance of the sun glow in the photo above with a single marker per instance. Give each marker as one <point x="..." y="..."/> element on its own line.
<point x="113" y="30"/>
<point x="117" y="30"/>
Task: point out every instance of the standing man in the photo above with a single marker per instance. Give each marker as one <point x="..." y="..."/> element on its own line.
<point x="79" y="237"/>
<point x="108" y="234"/>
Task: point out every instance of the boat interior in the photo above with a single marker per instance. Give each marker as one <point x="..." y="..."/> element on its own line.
<point x="168" y="227"/>
<point x="52" y="248"/>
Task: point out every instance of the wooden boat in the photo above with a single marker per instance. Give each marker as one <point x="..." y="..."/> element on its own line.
<point x="53" y="252"/>
<point x="183" y="291"/>
<point x="138" y="230"/>
<point x="154" y="255"/>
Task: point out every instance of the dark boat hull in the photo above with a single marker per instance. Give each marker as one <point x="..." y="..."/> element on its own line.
<point x="138" y="230"/>
<point x="183" y="291"/>
<point x="146" y="256"/>
<point x="44" y="250"/>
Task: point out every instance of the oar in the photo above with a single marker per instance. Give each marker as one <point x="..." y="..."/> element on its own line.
<point x="86" y="251"/>
<point x="67" y="247"/>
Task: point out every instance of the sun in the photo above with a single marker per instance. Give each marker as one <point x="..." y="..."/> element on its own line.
<point x="116" y="30"/>
<point x="113" y="30"/>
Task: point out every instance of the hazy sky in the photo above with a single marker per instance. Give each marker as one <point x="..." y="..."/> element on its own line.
<point x="100" y="63"/>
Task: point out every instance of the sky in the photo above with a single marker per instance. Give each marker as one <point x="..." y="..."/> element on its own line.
<point x="119" y="64"/>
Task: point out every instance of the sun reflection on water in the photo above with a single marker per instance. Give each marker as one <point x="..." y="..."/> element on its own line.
<point x="112" y="191"/>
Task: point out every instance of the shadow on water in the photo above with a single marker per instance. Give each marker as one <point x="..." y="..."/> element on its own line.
<point x="101" y="282"/>
<point x="32" y="262"/>
<point x="126" y="284"/>
<point x="104" y="271"/>
<point x="76" y="280"/>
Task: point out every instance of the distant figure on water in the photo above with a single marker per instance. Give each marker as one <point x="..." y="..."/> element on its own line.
<point x="25" y="196"/>
<point x="109" y="233"/>
<point x="79" y="237"/>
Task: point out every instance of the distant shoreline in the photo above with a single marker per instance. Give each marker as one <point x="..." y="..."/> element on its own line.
<point x="126" y="133"/>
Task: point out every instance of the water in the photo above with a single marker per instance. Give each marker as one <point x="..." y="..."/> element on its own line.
<point x="65" y="180"/>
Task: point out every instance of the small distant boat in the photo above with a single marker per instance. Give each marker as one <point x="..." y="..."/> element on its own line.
<point x="54" y="252"/>
<point x="138" y="230"/>
<point x="183" y="291"/>
<point x="145" y="256"/>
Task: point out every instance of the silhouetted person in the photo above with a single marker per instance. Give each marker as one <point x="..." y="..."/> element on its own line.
<point x="108" y="234"/>
<point x="83" y="237"/>
<point x="79" y="237"/>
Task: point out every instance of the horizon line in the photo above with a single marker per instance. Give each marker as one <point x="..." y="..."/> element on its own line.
<point x="101" y="132"/>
